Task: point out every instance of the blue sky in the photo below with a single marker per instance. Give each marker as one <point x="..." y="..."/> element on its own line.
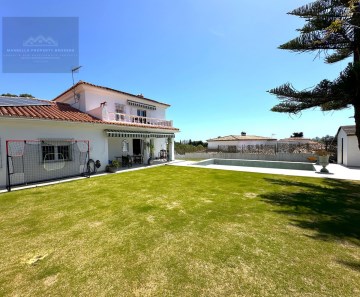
<point x="212" y="60"/>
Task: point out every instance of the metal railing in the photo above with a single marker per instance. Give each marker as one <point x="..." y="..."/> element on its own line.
<point x="127" y="118"/>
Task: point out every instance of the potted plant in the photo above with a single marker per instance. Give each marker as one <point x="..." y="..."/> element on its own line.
<point x="113" y="166"/>
<point x="323" y="160"/>
<point x="312" y="159"/>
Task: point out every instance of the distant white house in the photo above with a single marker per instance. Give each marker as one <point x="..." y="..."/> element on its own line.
<point x="237" y="142"/>
<point x="348" y="152"/>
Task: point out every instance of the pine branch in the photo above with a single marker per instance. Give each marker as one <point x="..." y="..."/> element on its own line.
<point x="330" y="8"/>
<point x="314" y="41"/>
<point x="327" y="95"/>
<point x="339" y="55"/>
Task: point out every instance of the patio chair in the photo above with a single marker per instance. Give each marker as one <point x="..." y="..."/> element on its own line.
<point x="126" y="161"/>
<point x="163" y="154"/>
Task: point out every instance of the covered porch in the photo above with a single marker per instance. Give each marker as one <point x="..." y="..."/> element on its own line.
<point x="137" y="147"/>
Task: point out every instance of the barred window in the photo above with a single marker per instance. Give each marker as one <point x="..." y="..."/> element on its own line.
<point x="48" y="153"/>
<point x="55" y="153"/>
<point x="63" y="152"/>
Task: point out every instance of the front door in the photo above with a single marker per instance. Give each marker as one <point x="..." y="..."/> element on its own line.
<point x="137" y="147"/>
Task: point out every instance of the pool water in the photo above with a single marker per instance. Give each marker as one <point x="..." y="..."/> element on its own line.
<point x="258" y="163"/>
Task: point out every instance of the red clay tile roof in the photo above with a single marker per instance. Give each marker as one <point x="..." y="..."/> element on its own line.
<point x="53" y="111"/>
<point x="240" y="137"/>
<point x="109" y="89"/>
<point x="62" y="112"/>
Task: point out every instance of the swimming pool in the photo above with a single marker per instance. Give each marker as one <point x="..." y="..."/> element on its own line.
<point x="258" y="163"/>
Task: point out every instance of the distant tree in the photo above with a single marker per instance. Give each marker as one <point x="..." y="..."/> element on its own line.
<point x="297" y="134"/>
<point x="9" y="95"/>
<point x="197" y="142"/>
<point x="328" y="140"/>
<point x="331" y="27"/>
<point x="21" y="95"/>
<point x="182" y="148"/>
<point x="26" y="95"/>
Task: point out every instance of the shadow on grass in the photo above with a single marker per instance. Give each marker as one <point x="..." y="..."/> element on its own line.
<point x="352" y="265"/>
<point x="331" y="207"/>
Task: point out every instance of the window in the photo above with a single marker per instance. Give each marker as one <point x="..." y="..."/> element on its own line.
<point x="141" y="113"/>
<point x="119" y="108"/>
<point x="48" y="153"/>
<point x="63" y="152"/>
<point x="52" y="152"/>
<point x="119" y="111"/>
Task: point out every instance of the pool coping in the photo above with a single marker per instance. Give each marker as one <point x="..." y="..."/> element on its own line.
<point x="256" y="163"/>
<point x="337" y="171"/>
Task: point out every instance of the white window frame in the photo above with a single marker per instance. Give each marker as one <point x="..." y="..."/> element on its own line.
<point x="141" y="113"/>
<point x="55" y="151"/>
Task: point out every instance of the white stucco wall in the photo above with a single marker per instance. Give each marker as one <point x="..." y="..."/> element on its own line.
<point x="342" y="148"/>
<point x="91" y="98"/>
<point x="351" y="152"/>
<point x="95" y="97"/>
<point x="26" y="129"/>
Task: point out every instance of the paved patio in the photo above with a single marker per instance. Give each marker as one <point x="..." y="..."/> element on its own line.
<point x="336" y="171"/>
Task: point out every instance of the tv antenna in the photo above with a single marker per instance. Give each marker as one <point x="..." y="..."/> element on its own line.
<point x="75" y="69"/>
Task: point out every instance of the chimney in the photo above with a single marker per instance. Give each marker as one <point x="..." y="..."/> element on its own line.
<point x="243" y="133"/>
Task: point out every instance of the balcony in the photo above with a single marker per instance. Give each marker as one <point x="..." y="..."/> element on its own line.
<point x="127" y="118"/>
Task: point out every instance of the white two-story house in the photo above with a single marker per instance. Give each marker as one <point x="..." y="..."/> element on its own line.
<point x="43" y="140"/>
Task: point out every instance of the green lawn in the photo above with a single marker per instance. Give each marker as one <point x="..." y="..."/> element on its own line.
<point x="176" y="231"/>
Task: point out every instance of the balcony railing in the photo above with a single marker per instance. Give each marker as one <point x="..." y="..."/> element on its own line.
<point x="127" y="118"/>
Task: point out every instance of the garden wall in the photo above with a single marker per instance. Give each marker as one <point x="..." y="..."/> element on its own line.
<point x="278" y="157"/>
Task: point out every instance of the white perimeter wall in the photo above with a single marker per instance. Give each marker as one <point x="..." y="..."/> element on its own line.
<point x="24" y="129"/>
<point x="278" y="157"/>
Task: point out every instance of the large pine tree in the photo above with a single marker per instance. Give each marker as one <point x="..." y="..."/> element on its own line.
<point x="332" y="28"/>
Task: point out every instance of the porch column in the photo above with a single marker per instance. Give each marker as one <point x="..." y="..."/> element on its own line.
<point x="171" y="149"/>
